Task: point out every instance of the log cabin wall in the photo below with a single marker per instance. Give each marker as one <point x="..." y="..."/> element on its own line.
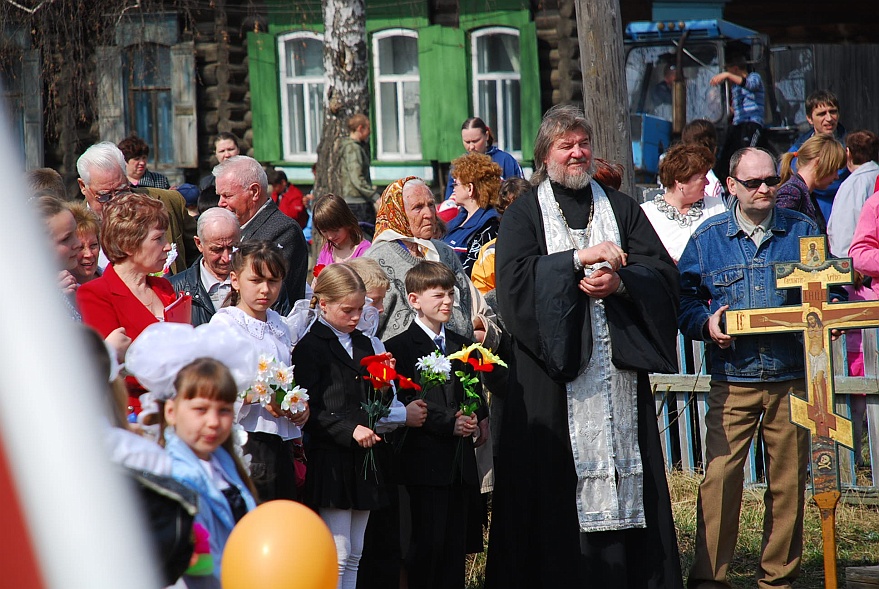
<point x="224" y="85"/>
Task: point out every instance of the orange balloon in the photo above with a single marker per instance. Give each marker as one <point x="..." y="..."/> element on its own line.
<point x="280" y="545"/>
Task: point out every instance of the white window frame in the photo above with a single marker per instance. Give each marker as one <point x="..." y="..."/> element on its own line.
<point x="398" y="80"/>
<point x="311" y="142"/>
<point x="500" y="132"/>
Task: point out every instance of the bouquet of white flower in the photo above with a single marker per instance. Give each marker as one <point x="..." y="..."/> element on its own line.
<point x="274" y="383"/>
<point x="434" y="370"/>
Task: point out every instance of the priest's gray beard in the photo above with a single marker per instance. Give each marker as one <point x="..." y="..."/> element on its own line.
<point x="560" y="174"/>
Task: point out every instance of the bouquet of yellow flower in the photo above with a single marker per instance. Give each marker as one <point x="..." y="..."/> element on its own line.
<point x="484" y="362"/>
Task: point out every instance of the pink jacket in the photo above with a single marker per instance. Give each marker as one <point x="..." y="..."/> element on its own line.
<point x="864" y="249"/>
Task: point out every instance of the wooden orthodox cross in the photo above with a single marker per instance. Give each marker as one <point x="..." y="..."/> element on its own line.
<point x="814" y="318"/>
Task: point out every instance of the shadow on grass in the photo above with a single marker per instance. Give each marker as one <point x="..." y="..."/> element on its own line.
<point x="857" y="537"/>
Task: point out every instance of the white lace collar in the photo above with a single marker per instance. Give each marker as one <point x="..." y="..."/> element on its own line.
<point x="274" y="324"/>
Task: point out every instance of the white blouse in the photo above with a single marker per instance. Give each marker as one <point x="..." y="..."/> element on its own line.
<point x="397" y="415"/>
<point x="673" y="236"/>
<point x="272" y="338"/>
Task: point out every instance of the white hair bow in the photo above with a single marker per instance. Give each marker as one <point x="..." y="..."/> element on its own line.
<point x="162" y="349"/>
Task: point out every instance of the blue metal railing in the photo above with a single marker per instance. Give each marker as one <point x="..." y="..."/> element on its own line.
<point x="681" y="405"/>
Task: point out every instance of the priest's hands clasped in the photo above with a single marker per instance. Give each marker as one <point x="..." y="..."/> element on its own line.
<point x="604" y="280"/>
<point x="606" y="251"/>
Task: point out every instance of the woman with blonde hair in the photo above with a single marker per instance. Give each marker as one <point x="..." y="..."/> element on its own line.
<point x="477" y="189"/>
<point x="343" y="485"/>
<point x="88" y="230"/>
<point x="818" y="162"/>
<point x="128" y="295"/>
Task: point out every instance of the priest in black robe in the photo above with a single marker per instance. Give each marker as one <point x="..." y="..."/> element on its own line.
<point x="590" y="297"/>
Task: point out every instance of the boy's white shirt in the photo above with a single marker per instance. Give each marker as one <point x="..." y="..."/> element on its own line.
<point x="430" y="333"/>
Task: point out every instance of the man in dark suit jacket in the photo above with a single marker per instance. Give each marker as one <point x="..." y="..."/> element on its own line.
<point x="439" y="469"/>
<point x="207" y="279"/>
<point x="242" y="186"/>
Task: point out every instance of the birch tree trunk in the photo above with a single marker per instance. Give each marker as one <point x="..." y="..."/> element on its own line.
<point x="602" y="61"/>
<point x="345" y="84"/>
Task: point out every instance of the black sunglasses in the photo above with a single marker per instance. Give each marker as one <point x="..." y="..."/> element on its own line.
<point x="757" y="182"/>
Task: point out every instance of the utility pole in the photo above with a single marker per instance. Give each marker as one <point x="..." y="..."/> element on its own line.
<point x="605" y="103"/>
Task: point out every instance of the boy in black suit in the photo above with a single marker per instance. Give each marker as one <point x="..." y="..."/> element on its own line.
<point x="437" y="460"/>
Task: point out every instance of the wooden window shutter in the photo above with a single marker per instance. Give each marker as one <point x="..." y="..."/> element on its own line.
<point x="442" y="65"/>
<point x="111" y="105"/>
<point x="262" y="58"/>
<point x="183" y="100"/>
<point x="33" y="109"/>
<point x="531" y="114"/>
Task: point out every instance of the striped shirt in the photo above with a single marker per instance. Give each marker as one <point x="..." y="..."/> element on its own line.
<point x="748" y="101"/>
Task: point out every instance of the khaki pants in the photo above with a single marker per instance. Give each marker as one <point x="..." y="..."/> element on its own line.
<point x="734" y="412"/>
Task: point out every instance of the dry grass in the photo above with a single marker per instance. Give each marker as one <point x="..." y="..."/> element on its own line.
<point x="857" y="532"/>
<point x="857" y="537"/>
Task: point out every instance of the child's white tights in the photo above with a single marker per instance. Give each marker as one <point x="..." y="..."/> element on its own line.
<point x="348" y="527"/>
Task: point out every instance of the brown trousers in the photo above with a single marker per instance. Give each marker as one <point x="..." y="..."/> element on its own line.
<point x="734" y="413"/>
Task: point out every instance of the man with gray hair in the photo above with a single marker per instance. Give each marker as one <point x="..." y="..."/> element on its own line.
<point x="207" y="280"/>
<point x="242" y="186"/>
<point x="102" y="177"/>
<point x="590" y="296"/>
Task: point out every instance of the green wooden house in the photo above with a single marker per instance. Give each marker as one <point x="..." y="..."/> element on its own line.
<point x="431" y="66"/>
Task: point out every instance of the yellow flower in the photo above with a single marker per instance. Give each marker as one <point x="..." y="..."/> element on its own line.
<point x="486" y="361"/>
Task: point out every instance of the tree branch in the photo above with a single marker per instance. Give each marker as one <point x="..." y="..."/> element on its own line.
<point x="29" y="10"/>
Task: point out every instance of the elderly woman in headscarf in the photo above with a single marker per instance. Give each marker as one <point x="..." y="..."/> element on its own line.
<point x="404" y="229"/>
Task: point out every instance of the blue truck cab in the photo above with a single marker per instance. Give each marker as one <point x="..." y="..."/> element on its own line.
<point x="669" y="64"/>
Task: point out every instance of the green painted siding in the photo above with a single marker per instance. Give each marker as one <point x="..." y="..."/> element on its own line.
<point x="286" y="15"/>
<point x="445" y="102"/>
<point x="264" y="96"/>
<point x="515" y="19"/>
<point x="530" y="70"/>
<point x="391" y="9"/>
<point x="374" y="25"/>
<point x="444" y="67"/>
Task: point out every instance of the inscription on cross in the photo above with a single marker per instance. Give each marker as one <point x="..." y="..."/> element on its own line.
<point x="814" y="318"/>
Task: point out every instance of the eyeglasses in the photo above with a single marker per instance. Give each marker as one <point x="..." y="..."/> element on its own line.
<point x="756" y="183"/>
<point x="108" y="195"/>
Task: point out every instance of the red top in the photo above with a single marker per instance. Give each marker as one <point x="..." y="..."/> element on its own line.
<point x="291" y="204"/>
<point x="107" y="303"/>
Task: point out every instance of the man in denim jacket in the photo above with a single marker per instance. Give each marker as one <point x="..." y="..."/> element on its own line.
<point x="729" y="264"/>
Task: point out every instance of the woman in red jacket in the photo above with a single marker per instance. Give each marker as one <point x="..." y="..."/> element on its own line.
<point x="133" y="239"/>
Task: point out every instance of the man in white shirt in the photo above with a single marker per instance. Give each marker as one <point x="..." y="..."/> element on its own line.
<point x="207" y="280"/>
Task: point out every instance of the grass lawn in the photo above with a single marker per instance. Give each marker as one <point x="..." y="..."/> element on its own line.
<point x="857" y="537"/>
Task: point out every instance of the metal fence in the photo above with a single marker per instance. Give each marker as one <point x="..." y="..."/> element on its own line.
<point x="681" y="403"/>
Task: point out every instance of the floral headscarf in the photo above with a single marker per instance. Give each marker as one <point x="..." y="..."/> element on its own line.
<point x="392" y="214"/>
<point x="392" y="223"/>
